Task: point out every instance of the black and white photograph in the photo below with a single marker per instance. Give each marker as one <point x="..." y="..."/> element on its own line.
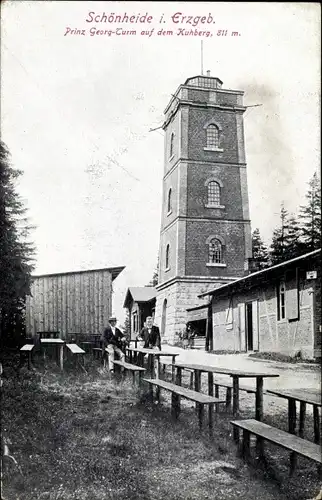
<point x="160" y="250"/>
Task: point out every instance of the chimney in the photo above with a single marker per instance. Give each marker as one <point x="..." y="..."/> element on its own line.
<point x="208" y="72"/>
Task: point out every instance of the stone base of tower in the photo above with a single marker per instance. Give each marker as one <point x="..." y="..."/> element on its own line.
<point x="175" y="297"/>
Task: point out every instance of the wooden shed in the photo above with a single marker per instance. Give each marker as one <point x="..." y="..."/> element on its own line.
<point x="140" y="303"/>
<point x="79" y="301"/>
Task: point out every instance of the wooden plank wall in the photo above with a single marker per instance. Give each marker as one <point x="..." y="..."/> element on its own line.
<point x="78" y="302"/>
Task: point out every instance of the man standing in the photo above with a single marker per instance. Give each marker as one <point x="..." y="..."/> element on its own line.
<point x="113" y="339"/>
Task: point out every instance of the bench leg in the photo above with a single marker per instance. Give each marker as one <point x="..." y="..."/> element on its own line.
<point x="175" y="405"/>
<point x="236" y="405"/>
<point x="211" y="419"/>
<point x="191" y="380"/>
<point x="217" y="396"/>
<point x="302" y="419"/>
<point x="140" y="379"/>
<point x="29" y="360"/>
<point x="246" y="444"/>
<point x="228" y="399"/>
<point x="197" y="387"/>
<point x="200" y="414"/>
<point x="292" y="430"/>
<point x="316" y="424"/>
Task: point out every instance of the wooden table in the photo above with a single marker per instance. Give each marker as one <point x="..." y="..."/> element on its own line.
<point x="304" y="397"/>
<point x="236" y="375"/>
<point x="59" y="343"/>
<point x="152" y="355"/>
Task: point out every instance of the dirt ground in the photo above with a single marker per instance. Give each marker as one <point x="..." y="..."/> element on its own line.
<point x="79" y="436"/>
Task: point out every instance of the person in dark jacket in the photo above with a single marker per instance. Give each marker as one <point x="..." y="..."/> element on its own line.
<point x="150" y="334"/>
<point x="113" y="340"/>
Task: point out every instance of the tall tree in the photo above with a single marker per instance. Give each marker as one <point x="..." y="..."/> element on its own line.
<point x="260" y="251"/>
<point x="279" y="239"/>
<point x="155" y="278"/>
<point x="310" y="215"/>
<point x="16" y="253"/>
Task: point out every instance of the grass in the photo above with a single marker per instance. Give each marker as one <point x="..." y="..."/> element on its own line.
<point x="90" y="437"/>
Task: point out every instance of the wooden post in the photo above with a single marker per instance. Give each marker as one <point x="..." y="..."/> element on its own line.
<point x="246" y="444"/>
<point x="316" y="424"/>
<point x="29" y="360"/>
<point x="211" y="406"/>
<point x="61" y="357"/>
<point x="259" y="398"/>
<point x="217" y="396"/>
<point x="172" y="370"/>
<point x="292" y="429"/>
<point x="179" y="375"/>
<point x="197" y="385"/>
<point x="302" y="419"/>
<point x="175" y="405"/>
<point x="191" y="380"/>
<point x="236" y="405"/>
<point x="200" y="414"/>
<point x="228" y="399"/>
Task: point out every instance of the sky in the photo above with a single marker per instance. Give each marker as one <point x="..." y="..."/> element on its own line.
<point x="76" y="114"/>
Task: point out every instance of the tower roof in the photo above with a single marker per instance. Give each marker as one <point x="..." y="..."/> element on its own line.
<point x="209" y="82"/>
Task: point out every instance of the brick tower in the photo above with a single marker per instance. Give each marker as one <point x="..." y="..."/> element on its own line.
<point x="205" y="238"/>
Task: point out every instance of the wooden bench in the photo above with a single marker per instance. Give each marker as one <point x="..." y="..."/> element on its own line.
<point x="229" y="388"/>
<point x="26" y="349"/>
<point x="132" y="368"/>
<point x="276" y="436"/>
<point x="179" y="391"/>
<point x="77" y="351"/>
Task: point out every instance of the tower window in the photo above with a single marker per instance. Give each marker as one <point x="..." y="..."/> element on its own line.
<point x="171" y="145"/>
<point x="215" y="252"/>
<point x="212" y="137"/>
<point x="213" y="193"/>
<point x="167" y="257"/>
<point x="170" y="200"/>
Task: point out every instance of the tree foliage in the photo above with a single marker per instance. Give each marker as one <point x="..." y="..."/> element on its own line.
<point x="155" y="277"/>
<point x="259" y="251"/>
<point x="16" y="252"/>
<point x="310" y="215"/>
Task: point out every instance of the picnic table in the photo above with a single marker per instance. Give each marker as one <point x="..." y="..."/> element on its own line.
<point x="153" y="354"/>
<point x="304" y="397"/>
<point x="236" y="375"/>
<point x="59" y="343"/>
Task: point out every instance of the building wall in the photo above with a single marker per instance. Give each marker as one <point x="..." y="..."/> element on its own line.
<point x="78" y="302"/>
<point x="284" y="336"/>
<point x="233" y="236"/>
<point x="179" y="295"/>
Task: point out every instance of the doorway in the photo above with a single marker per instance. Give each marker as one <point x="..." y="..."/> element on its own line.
<point x="249" y="327"/>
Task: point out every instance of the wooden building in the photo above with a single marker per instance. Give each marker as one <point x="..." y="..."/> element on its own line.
<point x="140" y="303"/>
<point x="79" y="301"/>
<point x="273" y="310"/>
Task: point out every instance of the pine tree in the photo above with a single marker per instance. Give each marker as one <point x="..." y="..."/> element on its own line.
<point x="259" y="250"/>
<point x="310" y="216"/>
<point x="16" y="253"/>
<point x="155" y="278"/>
<point x="279" y="239"/>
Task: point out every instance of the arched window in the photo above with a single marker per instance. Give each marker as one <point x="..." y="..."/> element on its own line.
<point x="169" y="200"/>
<point x="212" y="137"/>
<point x="171" y="145"/>
<point x="213" y="193"/>
<point x="215" y="252"/>
<point x="167" y="257"/>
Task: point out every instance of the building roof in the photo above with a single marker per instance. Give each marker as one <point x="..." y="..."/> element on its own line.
<point x="247" y="280"/>
<point x="140" y="294"/>
<point x="115" y="271"/>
